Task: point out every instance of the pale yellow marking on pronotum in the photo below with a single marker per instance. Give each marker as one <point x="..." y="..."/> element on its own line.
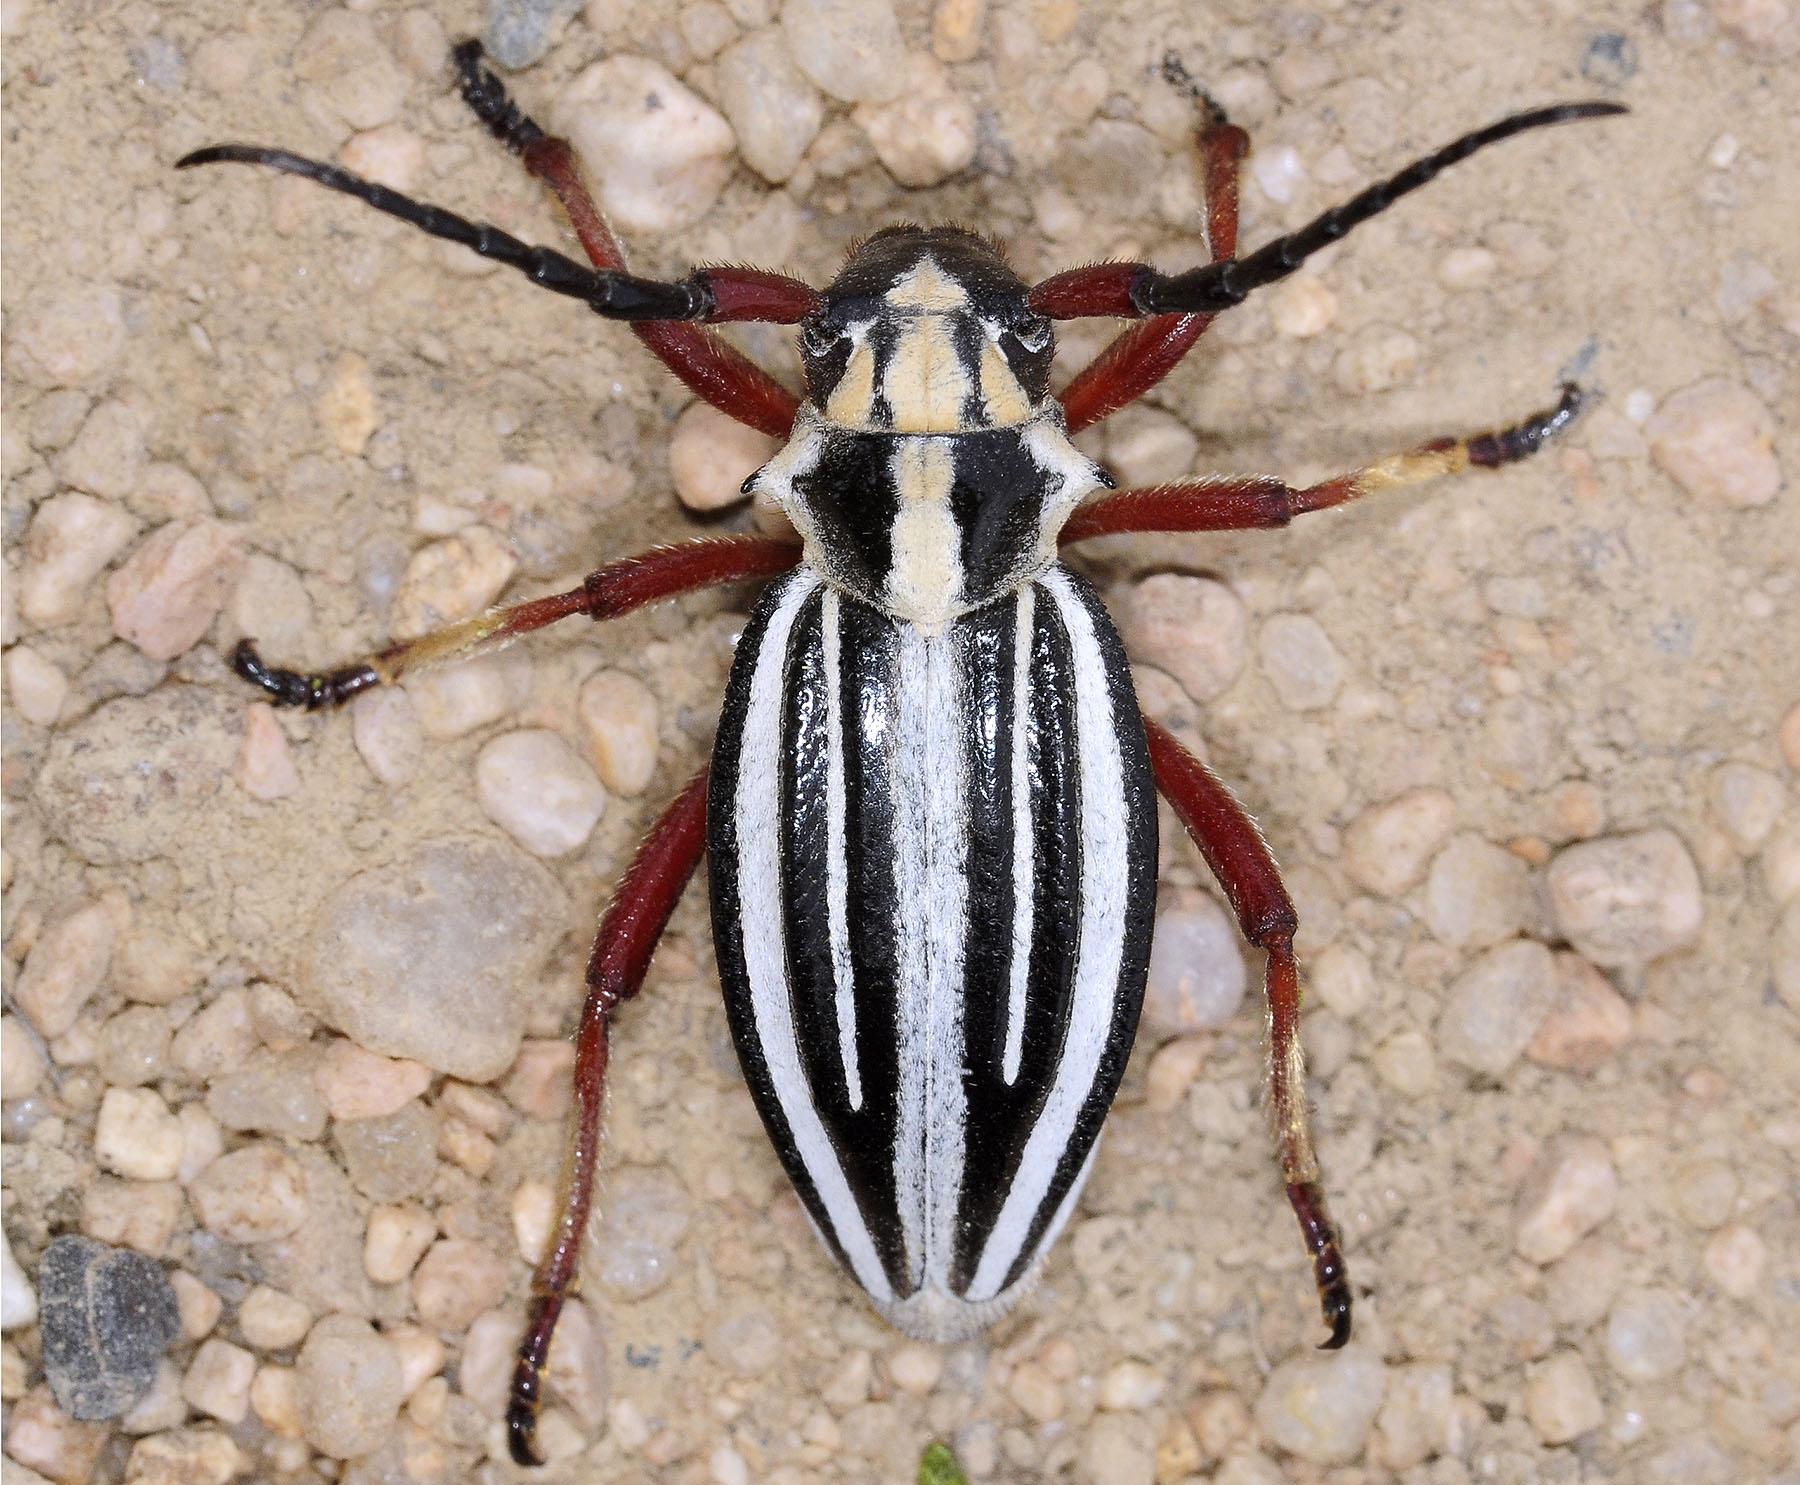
<point x="852" y="400"/>
<point x="925" y="580"/>
<point x="925" y="381"/>
<point x="928" y="287"/>
<point x="1004" y="398"/>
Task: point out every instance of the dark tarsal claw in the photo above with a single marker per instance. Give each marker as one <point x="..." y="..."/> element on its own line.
<point x="521" y="1435"/>
<point x="1335" y="1306"/>
<point x="291" y="688"/>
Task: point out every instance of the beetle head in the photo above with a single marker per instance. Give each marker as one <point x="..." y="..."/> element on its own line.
<point x="926" y="330"/>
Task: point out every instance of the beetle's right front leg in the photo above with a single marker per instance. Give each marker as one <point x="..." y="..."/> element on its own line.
<point x="662" y="572"/>
<point x="628" y="936"/>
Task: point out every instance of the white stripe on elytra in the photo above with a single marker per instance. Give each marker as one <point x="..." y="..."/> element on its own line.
<point x="758" y="821"/>
<point x="931" y="904"/>
<point x="1100" y="944"/>
<point x="1024" y="884"/>
<point x="837" y="868"/>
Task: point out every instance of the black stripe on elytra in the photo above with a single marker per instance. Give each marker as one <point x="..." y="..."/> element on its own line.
<point x="868" y="651"/>
<point x="1139" y="789"/>
<point x="722" y="845"/>
<point x="1002" y="1117"/>
<point x="850" y="498"/>
<point x="997" y="500"/>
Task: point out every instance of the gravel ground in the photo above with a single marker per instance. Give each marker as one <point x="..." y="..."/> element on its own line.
<point x="287" y="995"/>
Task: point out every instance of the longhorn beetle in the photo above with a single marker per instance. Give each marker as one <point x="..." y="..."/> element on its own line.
<point x="930" y="811"/>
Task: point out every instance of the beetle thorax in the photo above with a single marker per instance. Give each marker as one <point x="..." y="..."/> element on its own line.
<point x="929" y="471"/>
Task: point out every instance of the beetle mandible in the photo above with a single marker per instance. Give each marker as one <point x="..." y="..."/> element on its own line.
<point x="930" y="811"/>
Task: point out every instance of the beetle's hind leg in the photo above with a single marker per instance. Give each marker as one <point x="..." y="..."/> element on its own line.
<point x="1240" y="859"/>
<point x="628" y="936"/>
<point x="662" y="572"/>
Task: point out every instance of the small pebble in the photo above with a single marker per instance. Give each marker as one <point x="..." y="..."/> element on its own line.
<point x="1414" y="1422"/>
<point x="1387" y="846"/>
<point x="519" y="32"/>
<point x="71" y="539"/>
<point x="1788" y="736"/>
<point x="1716" y="440"/>
<point x="272" y="1093"/>
<point x="1626" y="899"/>
<point x="1706" y="1193"/>
<point x="927" y="133"/>
<point x="1172" y="1071"/>
<point x="106" y="457"/>
<point x="274" y="1396"/>
<point x="1116" y="1451"/>
<point x="1646" y="1335"/>
<point x="268" y="770"/>
<point x="1039" y="1395"/>
<point x="167" y="593"/>
<point x="1579" y="1287"/>
<point x="271" y="1320"/>
<point x="775" y="111"/>
<point x="1570" y="1191"/>
<point x="620" y="725"/>
<point x="253" y="1195"/>
<point x="1735" y="1258"/>
<point x="642" y="1222"/>
<point x="72" y="339"/>
<point x="1494" y="1009"/>
<point x="1320" y="1405"/>
<point x="66" y="965"/>
<point x="1561" y="1401"/>
<point x="35" y="686"/>
<point x="347" y="1387"/>
<point x="186" y="1456"/>
<point x="460" y="699"/>
<point x="359" y="1084"/>
<point x="106" y="1317"/>
<point x="342" y="55"/>
<point x="141" y="1215"/>
<point x="1147" y="446"/>
<point x="391" y="1158"/>
<point x="450" y="580"/>
<point x="1785" y="954"/>
<point x="533" y="1214"/>
<point x="956" y="29"/>
<point x="1376" y="360"/>
<point x="455" y="1282"/>
<point x="1131" y="1386"/>
<point x="1277" y="172"/>
<point x="162" y="1407"/>
<point x="915" y="1367"/>
<point x="384" y="725"/>
<point x="1465" y="268"/>
<point x="1580" y="810"/>
<point x="1746" y="801"/>
<point x="1302" y="307"/>
<point x="659" y="154"/>
<point x="221" y="1036"/>
<point x="1588" y="1022"/>
<point x="711" y="455"/>
<point x="346" y="405"/>
<point x="1197" y="972"/>
<point x="1407" y="1063"/>
<point x="422" y="1355"/>
<point x="427" y="958"/>
<point x="848" y="47"/>
<point x="1300" y="661"/>
<point x="1767" y="27"/>
<point x="747" y="1342"/>
<point x="200" y="1306"/>
<point x="390" y="156"/>
<point x="40" y="1436"/>
<point x="396" y="1240"/>
<point x="1343" y="980"/>
<point x="22" y="1064"/>
<point x="136" y="1135"/>
<point x="18" y="1300"/>
<point x="218" y="1381"/>
<point x="1476" y="894"/>
<point x="534" y="787"/>
<point x="1192" y="627"/>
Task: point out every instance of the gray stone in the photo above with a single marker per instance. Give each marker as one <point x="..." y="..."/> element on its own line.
<point x="769" y="102"/>
<point x="1319" y="1405"/>
<point x="848" y="47"/>
<point x="393" y="1157"/>
<point x="106" y="1317"/>
<point x="518" y="32"/>
<point x="426" y="959"/>
<point x="347" y="1386"/>
<point x="1495" y="1009"/>
<point x="1626" y="899"/>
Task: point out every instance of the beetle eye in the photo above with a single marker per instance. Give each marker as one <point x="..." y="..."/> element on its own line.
<point x="816" y="340"/>
<point x="1032" y="334"/>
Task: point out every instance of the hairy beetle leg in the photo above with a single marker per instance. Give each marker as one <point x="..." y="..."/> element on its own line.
<point x="1255" y="502"/>
<point x="628" y="936"/>
<point x="661" y="572"/>
<point x="1240" y="858"/>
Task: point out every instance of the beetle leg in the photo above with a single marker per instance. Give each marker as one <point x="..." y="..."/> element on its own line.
<point x="1241" y="860"/>
<point x="661" y="572"/>
<point x="1147" y="352"/>
<point x="633" y="924"/>
<point x="1253" y="502"/>
<point x="706" y="365"/>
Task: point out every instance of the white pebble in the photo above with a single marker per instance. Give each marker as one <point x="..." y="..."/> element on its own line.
<point x="389" y="155"/>
<point x="1734" y="1259"/>
<point x="66" y="965"/>
<point x="268" y="770"/>
<point x="421" y="1354"/>
<point x="71" y="339"/>
<point x="916" y="1367"/>
<point x="642" y="1222"/>
<point x="1414" y="1422"/>
<point x="1343" y="980"/>
<point x="1716" y="440"/>
<point x="252" y="1195"/>
<point x="1476" y="894"/>
<point x="1646" y="1335"/>
<point x="725" y="1466"/>
<point x="1626" y="899"/>
<point x="454" y="1282"/>
<point x="455" y="701"/>
<point x="136" y="1136"/>
<point x="1466" y="268"/>
<point x="535" y="788"/>
<point x="1192" y="627"/>
<point x="107" y="455"/>
<point x="345" y="406"/>
<point x="711" y="455"/>
<point x="1377" y="360"/>
<point x="1277" y="172"/>
<point x="1302" y="307"/>
<point x="576" y="1371"/>
<point x="71" y="539"/>
<point x="1495" y="1008"/>
<point x="1319" y="1405"/>
<point x="396" y="1239"/>
<point x="186" y="1456"/>
<point x="1588" y="1022"/>
<point x="775" y="111"/>
<point x="533" y="1214"/>
<point x="658" y="152"/>
<point x="450" y="580"/>
<point x="1147" y="446"/>
<point x="747" y="1342"/>
<point x="1561" y="1402"/>
<point x="274" y="1395"/>
<point x="1570" y="1191"/>
<point x="270" y="604"/>
<point x="36" y="687"/>
<point x="620" y="724"/>
<point x="1747" y="801"/>
<point x="1387" y="845"/>
<point x="1300" y="660"/>
<point x="1131" y="1386"/>
<point x="218" y="1381"/>
<point x="347" y="1387"/>
<point x="22" y="1064"/>
<point x="956" y="29"/>
<point x="359" y="1084"/>
<point x="165" y="596"/>
<point x="343" y="56"/>
<point x="18" y="1300"/>
<point x="847" y="47"/>
<point x="271" y="1320"/>
<point x="927" y="133"/>
<point x="1197" y="973"/>
<point x="384" y="725"/>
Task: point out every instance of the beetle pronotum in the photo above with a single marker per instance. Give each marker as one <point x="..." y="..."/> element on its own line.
<point x="930" y="810"/>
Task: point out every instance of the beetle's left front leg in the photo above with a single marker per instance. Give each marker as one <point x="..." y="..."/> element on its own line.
<point x="1240" y="859"/>
<point x="628" y="936"/>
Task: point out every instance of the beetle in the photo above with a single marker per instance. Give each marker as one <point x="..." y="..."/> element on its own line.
<point x="930" y="809"/>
